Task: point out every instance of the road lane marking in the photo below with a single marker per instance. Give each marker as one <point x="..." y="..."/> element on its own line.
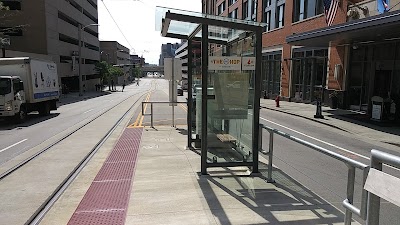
<point x="88" y="111"/>
<point x="316" y="139"/>
<point x="4" y="149"/>
<point x="139" y="114"/>
<point x="144" y="110"/>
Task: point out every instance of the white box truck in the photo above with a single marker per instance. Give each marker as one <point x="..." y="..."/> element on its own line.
<point x="27" y="85"/>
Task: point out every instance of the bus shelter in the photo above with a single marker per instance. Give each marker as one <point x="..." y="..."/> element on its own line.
<point x="224" y="84"/>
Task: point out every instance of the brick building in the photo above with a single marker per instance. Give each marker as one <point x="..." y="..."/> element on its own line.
<point x="301" y="66"/>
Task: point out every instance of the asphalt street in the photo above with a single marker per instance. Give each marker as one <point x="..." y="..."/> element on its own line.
<point x="15" y="139"/>
<point x="326" y="176"/>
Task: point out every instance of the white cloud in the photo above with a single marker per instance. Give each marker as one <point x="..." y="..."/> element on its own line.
<point x="137" y="21"/>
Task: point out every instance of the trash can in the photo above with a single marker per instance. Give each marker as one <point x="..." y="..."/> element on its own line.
<point x="377" y="108"/>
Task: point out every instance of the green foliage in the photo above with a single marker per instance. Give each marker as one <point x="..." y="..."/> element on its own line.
<point x="136" y="72"/>
<point x="115" y="71"/>
<point x="103" y="68"/>
<point x="108" y="71"/>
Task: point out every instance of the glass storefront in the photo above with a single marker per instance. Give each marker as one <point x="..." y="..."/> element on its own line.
<point x="271" y="74"/>
<point x="374" y="71"/>
<point x="309" y="69"/>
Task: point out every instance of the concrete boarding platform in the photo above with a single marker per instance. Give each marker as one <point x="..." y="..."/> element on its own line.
<point x="167" y="188"/>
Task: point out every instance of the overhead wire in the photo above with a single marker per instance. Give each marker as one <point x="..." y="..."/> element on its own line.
<point x="126" y="39"/>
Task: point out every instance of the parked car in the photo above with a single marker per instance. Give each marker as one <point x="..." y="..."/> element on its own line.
<point x="179" y="91"/>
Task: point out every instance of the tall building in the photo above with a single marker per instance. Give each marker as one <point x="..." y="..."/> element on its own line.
<point x="117" y="55"/>
<point x="168" y="51"/>
<point x="137" y="60"/>
<point x="304" y="59"/>
<point x="50" y="29"/>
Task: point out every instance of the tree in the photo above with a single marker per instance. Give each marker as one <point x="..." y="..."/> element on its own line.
<point x="115" y="71"/>
<point x="137" y="72"/>
<point x="103" y="68"/>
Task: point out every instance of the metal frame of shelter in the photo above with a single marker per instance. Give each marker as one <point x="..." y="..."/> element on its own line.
<point x="195" y="27"/>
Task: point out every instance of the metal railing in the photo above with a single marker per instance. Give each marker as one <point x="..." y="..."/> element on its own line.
<point x="172" y="104"/>
<point x="377" y="159"/>
<point x="351" y="164"/>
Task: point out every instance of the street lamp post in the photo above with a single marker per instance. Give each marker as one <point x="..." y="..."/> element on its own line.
<point x="80" y="28"/>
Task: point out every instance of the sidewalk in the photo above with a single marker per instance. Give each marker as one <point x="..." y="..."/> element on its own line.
<point x="167" y="188"/>
<point x="341" y="119"/>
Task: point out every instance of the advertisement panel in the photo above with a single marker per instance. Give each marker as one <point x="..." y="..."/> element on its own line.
<point x="224" y="63"/>
<point x="231" y="95"/>
<point x="248" y="63"/>
<point x="44" y="79"/>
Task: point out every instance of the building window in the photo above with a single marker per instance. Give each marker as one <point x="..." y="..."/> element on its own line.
<point x="267" y="20"/>
<point x="280" y="16"/>
<point x="299" y="10"/>
<point x="231" y="2"/>
<point x="303" y="9"/>
<point x="221" y="7"/>
<point x="253" y="10"/>
<point x="245" y="11"/>
<point x="67" y="39"/>
<point x="67" y="19"/>
<point x="92" y="3"/>
<point x="86" y="13"/>
<point x="271" y="73"/>
<point x="319" y="9"/>
<point x="12" y="5"/>
<point x="233" y="14"/>
<point x="267" y="3"/>
<point x="65" y="59"/>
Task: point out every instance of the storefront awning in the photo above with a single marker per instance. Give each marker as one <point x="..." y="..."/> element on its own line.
<point x="374" y="28"/>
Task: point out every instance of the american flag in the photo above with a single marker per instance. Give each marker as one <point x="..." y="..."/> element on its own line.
<point x="331" y="7"/>
<point x="383" y="6"/>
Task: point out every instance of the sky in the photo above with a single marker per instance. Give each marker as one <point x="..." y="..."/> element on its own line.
<point x="137" y="22"/>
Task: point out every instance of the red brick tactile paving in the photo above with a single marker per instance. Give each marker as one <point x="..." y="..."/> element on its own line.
<point x="107" y="199"/>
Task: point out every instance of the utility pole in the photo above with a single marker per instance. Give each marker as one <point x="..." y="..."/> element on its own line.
<point x="80" y="60"/>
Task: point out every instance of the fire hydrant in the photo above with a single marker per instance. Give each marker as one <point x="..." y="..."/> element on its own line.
<point x="277" y="101"/>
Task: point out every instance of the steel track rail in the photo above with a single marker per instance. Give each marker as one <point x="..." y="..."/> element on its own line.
<point x="22" y="163"/>
<point x="46" y="206"/>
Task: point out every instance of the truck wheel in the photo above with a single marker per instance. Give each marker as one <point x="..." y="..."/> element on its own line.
<point x="20" y="117"/>
<point x="45" y="110"/>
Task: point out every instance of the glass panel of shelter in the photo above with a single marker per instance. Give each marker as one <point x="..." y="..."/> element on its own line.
<point x="230" y="107"/>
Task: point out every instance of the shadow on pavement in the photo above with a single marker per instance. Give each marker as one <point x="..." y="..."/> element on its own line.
<point x="182" y="131"/>
<point x="390" y="127"/>
<point x="235" y="199"/>
<point x="73" y="97"/>
<point x="32" y="119"/>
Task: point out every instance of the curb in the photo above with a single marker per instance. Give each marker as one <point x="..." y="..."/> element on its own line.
<point x="305" y="117"/>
